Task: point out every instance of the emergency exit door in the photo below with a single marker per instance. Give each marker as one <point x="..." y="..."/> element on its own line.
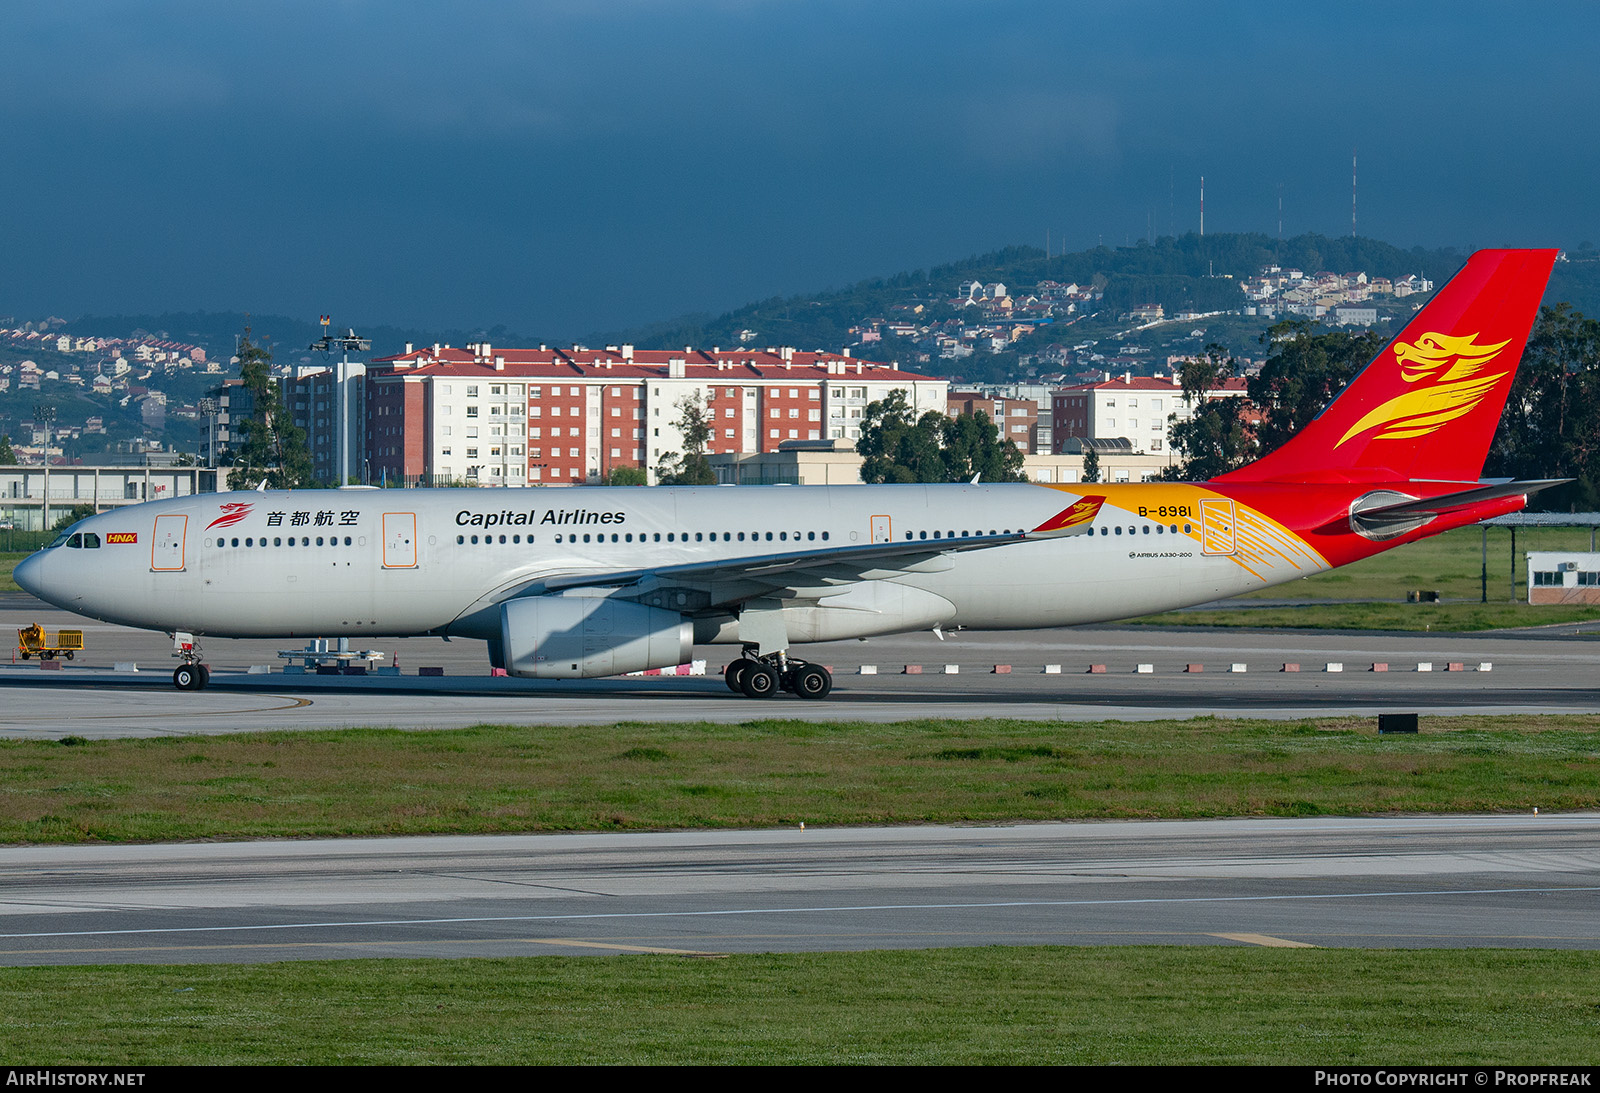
<point x="880" y="530"/>
<point x="1216" y="526"/>
<point x="399" y="540"/>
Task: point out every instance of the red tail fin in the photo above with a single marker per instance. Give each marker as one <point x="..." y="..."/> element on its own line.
<point x="1427" y="407"/>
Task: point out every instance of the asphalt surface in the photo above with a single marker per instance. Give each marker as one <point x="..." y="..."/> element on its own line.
<point x="1549" y="671"/>
<point x="1526" y="881"/>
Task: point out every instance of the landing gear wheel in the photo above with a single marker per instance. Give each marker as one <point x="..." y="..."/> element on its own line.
<point x="186" y="677"/>
<point x="733" y="675"/>
<point x="205" y="677"/>
<point x="760" y="680"/>
<point x="812" y="681"/>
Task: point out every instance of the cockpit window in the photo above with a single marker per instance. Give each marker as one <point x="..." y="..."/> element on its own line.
<point x="75" y="542"/>
<point x="91" y="541"/>
<point x="59" y="539"/>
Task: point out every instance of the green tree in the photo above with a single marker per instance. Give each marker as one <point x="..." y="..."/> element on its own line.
<point x="1091" y="465"/>
<point x="691" y="467"/>
<point x="1217" y="436"/>
<point x="1551" y="424"/>
<point x="897" y="446"/>
<point x="273" y="448"/>
<point x="8" y="458"/>
<point x="627" y="476"/>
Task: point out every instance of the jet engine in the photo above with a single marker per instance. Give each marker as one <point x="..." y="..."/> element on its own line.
<point x="579" y="637"/>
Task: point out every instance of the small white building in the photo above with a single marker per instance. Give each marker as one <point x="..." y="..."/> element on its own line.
<point x="1563" y="577"/>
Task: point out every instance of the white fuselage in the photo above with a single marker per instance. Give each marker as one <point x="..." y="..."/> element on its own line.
<point x="354" y="562"/>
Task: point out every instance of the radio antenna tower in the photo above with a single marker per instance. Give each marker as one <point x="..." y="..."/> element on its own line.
<point x="1352" y="193"/>
<point x="1202" y="206"/>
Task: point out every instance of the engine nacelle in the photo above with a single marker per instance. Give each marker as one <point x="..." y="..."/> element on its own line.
<point x="579" y="637"/>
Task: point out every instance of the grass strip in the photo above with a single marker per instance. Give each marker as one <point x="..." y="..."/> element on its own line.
<point x="1119" y="1004"/>
<point x="1437" y="618"/>
<point x="369" y="782"/>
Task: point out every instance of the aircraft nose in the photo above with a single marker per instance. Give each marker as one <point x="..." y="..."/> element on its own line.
<point x="28" y="575"/>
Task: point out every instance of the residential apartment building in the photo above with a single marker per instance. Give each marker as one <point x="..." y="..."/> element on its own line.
<point x="1139" y="409"/>
<point x="1017" y="420"/>
<point x="495" y="416"/>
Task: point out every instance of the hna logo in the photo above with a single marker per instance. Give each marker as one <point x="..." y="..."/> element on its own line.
<point x="1450" y="369"/>
<point x="232" y="513"/>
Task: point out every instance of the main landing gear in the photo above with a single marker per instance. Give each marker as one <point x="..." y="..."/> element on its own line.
<point x="762" y="677"/>
<point x="191" y="674"/>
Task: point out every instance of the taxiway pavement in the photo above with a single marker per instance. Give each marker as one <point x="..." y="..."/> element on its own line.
<point x="1524" y="881"/>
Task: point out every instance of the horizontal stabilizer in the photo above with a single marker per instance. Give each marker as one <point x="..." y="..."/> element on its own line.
<point x="1450" y="502"/>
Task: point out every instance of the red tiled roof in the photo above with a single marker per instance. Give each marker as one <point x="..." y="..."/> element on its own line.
<point x="699" y="364"/>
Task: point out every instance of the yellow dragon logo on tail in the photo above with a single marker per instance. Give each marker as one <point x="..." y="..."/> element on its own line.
<point x="1455" y="365"/>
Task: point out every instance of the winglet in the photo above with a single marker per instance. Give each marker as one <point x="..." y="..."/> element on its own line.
<point x="1072" y="520"/>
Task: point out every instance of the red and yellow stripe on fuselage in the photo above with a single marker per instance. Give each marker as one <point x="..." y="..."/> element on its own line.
<point x="1275" y="531"/>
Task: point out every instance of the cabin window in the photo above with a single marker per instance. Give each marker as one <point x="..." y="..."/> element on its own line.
<point x="824" y="536"/>
<point x="1188" y="529"/>
<point x="277" y="542"/>
<point x="460" y="540"/>
<point x="586" y="537"/>
<point x="249" y="542"/>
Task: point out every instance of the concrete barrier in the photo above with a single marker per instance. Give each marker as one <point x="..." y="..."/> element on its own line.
<point x="911" y="670"/>
<point x="1289" y="667"/>
<point x="1237" y="668"/>
<point x="1455" y="666"/>
<point x="1055" y="669"/>
<point x="1000" y="670"/>
<point x="867" y="670"/>
<point x="1096" y="670"/>
<point x="51" y="665"/>
<point x="125" y="666"/>
<point x="1380" y="666"/>
<point x="259" y="670"/>
<point x="1194" y="668"/>
<point x="1424" y="666"/>
<point x="952" y="669"/>
<point x="1145" y="670"/>
<point x="430" y="671"/>
<point x="1333" y="666"/>
<point x="1485" y="666"/>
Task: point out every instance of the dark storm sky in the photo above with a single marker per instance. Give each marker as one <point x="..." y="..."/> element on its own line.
<point x="570" y="167"/>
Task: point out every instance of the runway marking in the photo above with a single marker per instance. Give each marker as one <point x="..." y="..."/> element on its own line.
<point x="1266" y="941"/>
<point x="604" y="915"/>
<point x="565" y="942"/>
<point x="168" y="715"/>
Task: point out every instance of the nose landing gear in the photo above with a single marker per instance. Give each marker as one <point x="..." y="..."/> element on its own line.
<point x="191" y="674"/>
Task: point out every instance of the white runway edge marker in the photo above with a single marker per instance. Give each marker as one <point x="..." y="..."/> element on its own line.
<point x="952" y="669"/>
<point x="1333" y="666"/>
<point x="867" y="670"/>
<point x="1145" y="669"/>
<point x="1052" y="669"/>
<point x="1424" y="666"/>
<point x="1239" y="668"/>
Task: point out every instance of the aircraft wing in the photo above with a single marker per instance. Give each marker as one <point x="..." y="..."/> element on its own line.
<point x="812" y="573"/>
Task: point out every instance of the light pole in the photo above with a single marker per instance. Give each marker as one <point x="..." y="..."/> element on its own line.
<point x="346" y="343"/>
<point x="208" y="407"/>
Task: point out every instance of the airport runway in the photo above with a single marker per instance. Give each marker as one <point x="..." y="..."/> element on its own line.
<point x="1550" y="671"/>
<point x="1526" y="881"/>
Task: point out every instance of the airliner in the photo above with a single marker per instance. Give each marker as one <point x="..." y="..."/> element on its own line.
<point x="584" y="582"/>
